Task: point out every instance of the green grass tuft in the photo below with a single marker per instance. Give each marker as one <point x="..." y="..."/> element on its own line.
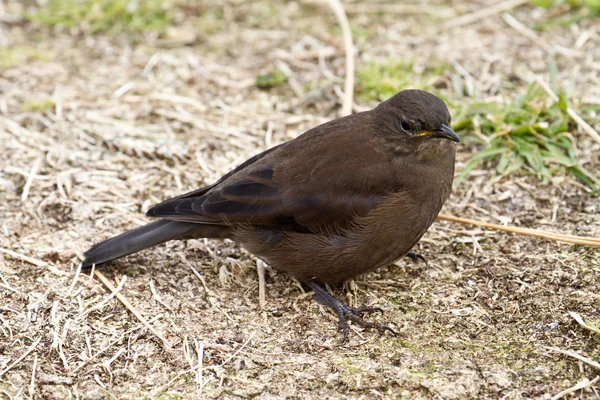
<point x="38" y="106"/>
<point x="107" y="15"/>
<point x="380" y="81"/>
<point x="271" y="79"/>
<point x="12" y="56"/>
<point x="592" y="5"/>
<point x="526" y="135"/>
<point x="210" y="23"/>
<point x="566" y="12"/>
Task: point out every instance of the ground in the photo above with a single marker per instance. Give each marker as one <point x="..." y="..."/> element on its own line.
<point x="98" y="121"/>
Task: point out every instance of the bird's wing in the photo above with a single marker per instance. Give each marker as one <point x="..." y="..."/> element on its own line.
<point x="238" y="201"/>
<point x="259" y="199"/>
<point x="205" y="189"/>
<point x="283" y="189"/>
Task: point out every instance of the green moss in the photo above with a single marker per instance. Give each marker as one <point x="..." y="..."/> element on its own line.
<point x="107" y="15"/>
<point x="39" y="105"/>
<point x="262" y="15"/>
<point x="11" y="56"/>
<point x="271" y="79"/>
<point x="170" y="396"/>
<point x="167" y="396"/>
<point x="380" y="81"/>
<point x="210" y="23"/>
<point x="405" y="343"/>
<point x="424" y="370"/>
<point x="350" y="366"/>
<point x="592" y="5"/>
<point x="361" y="31"/>
<point x="571" y="11"/>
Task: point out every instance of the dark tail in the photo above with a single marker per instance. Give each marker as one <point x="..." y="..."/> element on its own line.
<point x="147" y="236"/>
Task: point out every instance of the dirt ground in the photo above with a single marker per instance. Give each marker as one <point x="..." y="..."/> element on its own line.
<point x="97" y="128"/>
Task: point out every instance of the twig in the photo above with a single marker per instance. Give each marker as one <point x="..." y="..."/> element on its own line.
<point x="130" y="307"/>
<point x="104" y="302"/>
<point x="580" y="385"/>
<point x="211" y="294"/>
<point x="581" y="240"/>
<point x="5" y="284"/>
<point x="531" y="35"/>
<point x="192" y="369"/>
<point x="18" y="360"/>
<point x="576" y="355"/>
<point x="94" y="356"/>
<point x="262" y="297"/>
<point x="27" y="187"/>
<point x="32" y="382"/>
<point x="123" y="89"/>
<point x="340" y="14"/>
<point x="75" y="279"/>
<point x="483" y="13"/>
<point x="106" y="364"/>
<point x="199" y="276"/>
<point x="200" y="357"/>
<point x="30" y="260"/>
<point x="578" y="120"/>
<point x="231" y="357"/>
<point x="157" y="297"/>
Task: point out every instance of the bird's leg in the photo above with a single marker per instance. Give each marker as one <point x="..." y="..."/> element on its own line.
<point x="345" y="312"/>
<point x="414" y="256"/>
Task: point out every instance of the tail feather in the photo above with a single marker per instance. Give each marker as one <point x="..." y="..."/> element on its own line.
<point x="139" y="239"/>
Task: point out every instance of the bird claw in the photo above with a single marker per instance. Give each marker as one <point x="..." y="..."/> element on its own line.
<point x="345" y="312"/>
<point x="415" y="257"/>
<point x="350" y="313"/>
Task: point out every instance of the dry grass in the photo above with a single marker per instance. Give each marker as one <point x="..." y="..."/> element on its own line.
<point x="96" y="128"/>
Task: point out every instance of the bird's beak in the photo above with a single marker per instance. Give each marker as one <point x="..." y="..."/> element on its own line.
<point x="446" y="133"/>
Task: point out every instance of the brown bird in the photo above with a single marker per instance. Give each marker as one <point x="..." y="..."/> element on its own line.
<point x="338" y="201"/>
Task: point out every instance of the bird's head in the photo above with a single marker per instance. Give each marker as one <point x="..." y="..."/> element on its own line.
<point x="415" y="116"/>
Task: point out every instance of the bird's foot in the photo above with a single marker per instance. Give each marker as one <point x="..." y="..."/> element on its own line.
<point x="414" y="256"/>
<point x="345" y="312"/>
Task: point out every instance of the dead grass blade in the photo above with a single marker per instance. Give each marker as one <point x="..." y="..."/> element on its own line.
<point x="18" y="360"/>
<point x="30" y="178"/>
<point x="340" y="14"/>
<point x="112" y="343"/>
<point x="578" y="120"/>
<point x="585" y="383"/>
<point x="30" y="260"/>
<point x="576" y="355"/>
<point x="262" y="296"/>
<point x="483" y="13"/>
<point x="130" y="307"/>
<point x="587" y="326"/>
<point x="580" y="240"/>
<point x="531" y="35"/>
<point x="408" y="9"/>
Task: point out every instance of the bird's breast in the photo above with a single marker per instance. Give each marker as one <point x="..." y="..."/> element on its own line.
<point x="394" y="227"/>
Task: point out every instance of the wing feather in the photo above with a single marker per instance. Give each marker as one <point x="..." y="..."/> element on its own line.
<point x="279" y="189"/>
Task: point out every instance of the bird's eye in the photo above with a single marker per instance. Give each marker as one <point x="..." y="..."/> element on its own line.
<point x="405" y="125"/>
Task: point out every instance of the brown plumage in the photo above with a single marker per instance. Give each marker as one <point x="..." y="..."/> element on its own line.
<point x="342" y="199"/>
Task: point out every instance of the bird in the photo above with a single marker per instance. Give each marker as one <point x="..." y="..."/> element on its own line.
<point x="338" y="201"/>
